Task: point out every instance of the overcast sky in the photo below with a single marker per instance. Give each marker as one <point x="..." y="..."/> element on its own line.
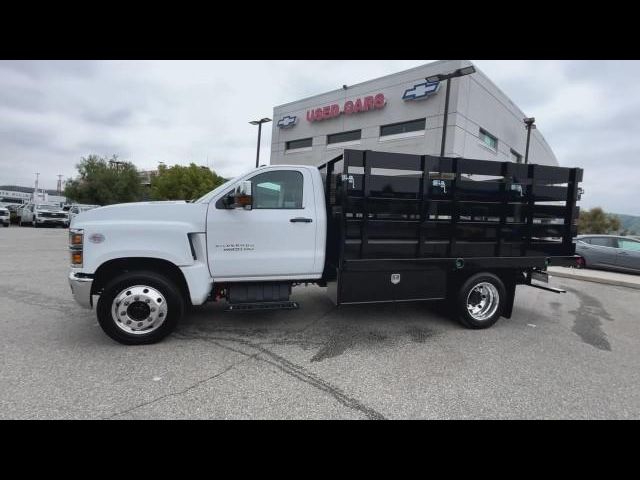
<point x="54" y="112"/>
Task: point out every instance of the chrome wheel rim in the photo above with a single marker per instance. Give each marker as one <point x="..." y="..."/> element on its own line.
<point x="482" y="301"/>
<point x="139" y="310"/>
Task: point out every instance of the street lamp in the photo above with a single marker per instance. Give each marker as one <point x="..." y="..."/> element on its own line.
<point x="259" y="123"/>
<point x="448" y="76"/>
<point x="529" y="124"/>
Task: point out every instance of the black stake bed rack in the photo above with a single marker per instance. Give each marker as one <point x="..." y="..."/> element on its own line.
<point x="425" y="216"/>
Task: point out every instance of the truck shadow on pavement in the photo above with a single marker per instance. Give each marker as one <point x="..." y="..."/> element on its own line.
<point x="318" y="327"/>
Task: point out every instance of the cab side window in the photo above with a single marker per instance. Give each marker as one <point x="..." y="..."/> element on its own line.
<point x="280" y="189"/>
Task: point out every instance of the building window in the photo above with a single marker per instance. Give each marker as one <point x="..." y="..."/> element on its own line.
<point x="515" y="156"/>
<point x="403" y="127"/>
<point x="279" y="189"/>
<point x="488" y="139"/>
<point x="295" y="144"/>
<point x="344" y="136"/>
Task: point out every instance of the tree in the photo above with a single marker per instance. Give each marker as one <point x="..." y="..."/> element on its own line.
<point x="183" y="183"/>
<point x="103" y="181"/>
<point x="597" y="221"/>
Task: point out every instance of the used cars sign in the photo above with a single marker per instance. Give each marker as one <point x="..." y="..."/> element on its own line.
<point x="370" y="102"/>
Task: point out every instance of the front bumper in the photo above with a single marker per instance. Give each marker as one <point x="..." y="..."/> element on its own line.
<point x="81" y="289"/>
<point x="52" y="221"/>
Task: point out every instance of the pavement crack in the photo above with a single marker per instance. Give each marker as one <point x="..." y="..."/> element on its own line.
<point x="36" y="299"/>
<point x="297" y="372"/>
<point x="317" y="320"/>
<point x="182" y="392"/>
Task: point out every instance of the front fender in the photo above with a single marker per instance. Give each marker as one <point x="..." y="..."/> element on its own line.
<point x="148" y="239"/>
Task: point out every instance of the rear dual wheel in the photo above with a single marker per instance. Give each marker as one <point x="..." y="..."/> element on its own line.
<point x="481" y="301"/>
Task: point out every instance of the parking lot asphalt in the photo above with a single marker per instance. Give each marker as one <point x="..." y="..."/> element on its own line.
<point x="572" y="355"/>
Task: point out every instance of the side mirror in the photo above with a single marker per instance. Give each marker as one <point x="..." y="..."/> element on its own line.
<point x="241" y="197"/>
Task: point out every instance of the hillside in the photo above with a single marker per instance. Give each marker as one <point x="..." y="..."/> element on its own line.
<point x="631" y="223"/>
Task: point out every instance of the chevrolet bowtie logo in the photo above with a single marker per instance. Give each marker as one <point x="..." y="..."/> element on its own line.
<point x="286" y="122"/>
<point x="421" y="90"/>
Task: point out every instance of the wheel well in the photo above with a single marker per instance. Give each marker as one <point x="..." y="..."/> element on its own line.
<point x="110" y="269"/>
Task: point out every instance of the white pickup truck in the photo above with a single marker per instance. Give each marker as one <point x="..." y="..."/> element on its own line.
<point x="43" y="214"/>
<point x="5" y="216"/>
<point x="366" y="232"/>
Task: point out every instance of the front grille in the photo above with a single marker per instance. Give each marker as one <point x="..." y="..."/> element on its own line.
<point x="51" y="215"/>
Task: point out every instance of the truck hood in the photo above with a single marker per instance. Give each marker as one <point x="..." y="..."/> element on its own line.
<point x="50" y="210"/>
<point x="193" y="215"/>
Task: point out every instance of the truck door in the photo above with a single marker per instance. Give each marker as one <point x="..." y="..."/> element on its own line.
<point x="276" y="238"/>
<point x="27" y="213"/>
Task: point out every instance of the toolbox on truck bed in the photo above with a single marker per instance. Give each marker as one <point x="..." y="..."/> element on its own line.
<point x="402" y="227"/>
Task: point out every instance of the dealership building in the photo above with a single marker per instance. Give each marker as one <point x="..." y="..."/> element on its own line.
<point x="403" y="112"/>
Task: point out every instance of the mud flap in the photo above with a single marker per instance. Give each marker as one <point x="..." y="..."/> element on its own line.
<point x="511" y="296"/>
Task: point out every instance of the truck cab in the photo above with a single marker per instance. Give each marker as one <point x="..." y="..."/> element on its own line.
<point x="249" y="239"/>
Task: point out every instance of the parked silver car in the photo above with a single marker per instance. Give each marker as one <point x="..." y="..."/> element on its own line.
<point x="609" y="252"/>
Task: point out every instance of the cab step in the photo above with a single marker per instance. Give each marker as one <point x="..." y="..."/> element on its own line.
<point x="262" y="306"/>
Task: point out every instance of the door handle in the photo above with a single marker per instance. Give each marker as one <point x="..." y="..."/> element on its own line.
<point x="301" y="219"/>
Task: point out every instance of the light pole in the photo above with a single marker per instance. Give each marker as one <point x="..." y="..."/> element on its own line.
<point x="259" y="123"/>
<point x="529" y="124"/>
<point x="448" y="76"/>
<point x="35" y="190"/>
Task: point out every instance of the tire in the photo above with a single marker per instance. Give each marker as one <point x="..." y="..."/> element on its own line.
<point x="495" y="300"/>
<point x="35" y="224"/>
<point x="134" y="284"/>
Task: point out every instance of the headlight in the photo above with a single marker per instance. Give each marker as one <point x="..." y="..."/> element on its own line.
<point x="76" y="237"/>
<point x="76" y="258"/>
<point x="76" y="240"/>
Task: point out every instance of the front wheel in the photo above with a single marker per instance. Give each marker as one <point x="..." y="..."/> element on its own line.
<point x="139" y="308"/>
<point x="481" y="300"/>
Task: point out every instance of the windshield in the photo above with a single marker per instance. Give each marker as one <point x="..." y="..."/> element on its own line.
<point x="215" y="191"/>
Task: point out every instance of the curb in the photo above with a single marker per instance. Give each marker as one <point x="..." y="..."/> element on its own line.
<point x="607" y="281"/>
